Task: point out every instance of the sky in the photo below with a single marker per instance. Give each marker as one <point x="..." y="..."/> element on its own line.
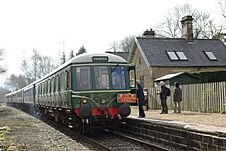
<point x="52" y="25"/>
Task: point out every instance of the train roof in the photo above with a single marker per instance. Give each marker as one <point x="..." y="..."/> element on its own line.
<point x="12" y="93"/>
<point x="90" y="58"/>
<point x="81" y="59"/>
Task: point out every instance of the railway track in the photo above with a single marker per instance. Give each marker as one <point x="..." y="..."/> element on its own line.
<point x="116" y="141"/>
<point x="108" y="140"/>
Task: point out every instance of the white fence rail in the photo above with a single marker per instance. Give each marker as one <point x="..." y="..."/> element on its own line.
<point x="204" y="97"/>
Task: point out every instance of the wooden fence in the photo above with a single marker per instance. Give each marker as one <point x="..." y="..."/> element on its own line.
<point x="204" y="97"/>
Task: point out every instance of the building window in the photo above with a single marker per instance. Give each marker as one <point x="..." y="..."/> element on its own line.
<point x="210" y="55"/>
<point x="176" y="55"/>
<point x="172" y="55"/>
<point x="181" y="55"/>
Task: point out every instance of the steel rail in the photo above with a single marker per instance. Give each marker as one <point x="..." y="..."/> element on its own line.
<point x="153" y="146"/>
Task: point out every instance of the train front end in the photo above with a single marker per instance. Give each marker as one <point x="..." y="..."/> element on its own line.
<point x="102" y="89"/>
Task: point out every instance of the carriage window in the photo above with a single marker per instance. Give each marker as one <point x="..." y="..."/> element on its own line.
<point x="68" y="79"/>
<point x="40" y="89"/>
<point x="49" y="86"/>
<point x="101" y="77"/>
<point x="62" y="82"/>
<point x="118" y="77"/>
<point x="53" y="84"/>
<point x="46" y="85"/>
<point x="43" y="88"/>
<point x="83" y="78"/>
<point x="57" y="83"/>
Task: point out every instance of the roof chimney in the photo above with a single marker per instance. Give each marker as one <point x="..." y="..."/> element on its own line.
<point x="149" y="33"/>
<point x="187" y="29"/>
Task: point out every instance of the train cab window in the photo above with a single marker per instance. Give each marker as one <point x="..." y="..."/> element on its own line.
<point x="83" y="78"/>
<point x="118" y="77"/>
<point x="101" y="77"/>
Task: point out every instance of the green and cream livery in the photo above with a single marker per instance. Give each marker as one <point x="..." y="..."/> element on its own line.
<point x="87" y="86"/>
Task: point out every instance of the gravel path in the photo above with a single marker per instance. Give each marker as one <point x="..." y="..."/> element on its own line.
<point x="186" y="117"/>
<point x="22" y="132"/>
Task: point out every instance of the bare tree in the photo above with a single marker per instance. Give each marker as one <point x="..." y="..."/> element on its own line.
<point x="114" y="46"/>
<point x="46" y="65"/>
<point x="171" y="27"/>
<point x="213" y="31"/>
<point x="127" y="43"/>
<point x="26" y="71"/>
<point x="34" y="67"/>
<point x="37" y="66"/>
<point x="223" y="7"/>
<point x="124" y="45"/>
<point x="16" y="82"/>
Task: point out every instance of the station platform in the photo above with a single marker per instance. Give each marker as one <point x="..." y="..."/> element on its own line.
<point x="212" y="123"/>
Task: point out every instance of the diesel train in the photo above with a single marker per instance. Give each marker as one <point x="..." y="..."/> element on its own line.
<point x="87" y="91"/>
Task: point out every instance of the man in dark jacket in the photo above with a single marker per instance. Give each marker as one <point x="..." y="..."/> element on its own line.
<point x="177" y="97"/>
<point x="140" y="96"/>
<point x="163" y="98"/>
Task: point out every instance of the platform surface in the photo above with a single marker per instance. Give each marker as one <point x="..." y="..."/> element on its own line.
<point x="214" y="123"/>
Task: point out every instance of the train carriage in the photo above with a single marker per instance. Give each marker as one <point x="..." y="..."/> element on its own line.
<point x="88" y="89"/>
<point x="28" y="98"/>
<point x="15" y="98"/>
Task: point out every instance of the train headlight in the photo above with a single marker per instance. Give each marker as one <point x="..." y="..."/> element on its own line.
<point x="84" y="101"/>
<point x="103" y="101"/>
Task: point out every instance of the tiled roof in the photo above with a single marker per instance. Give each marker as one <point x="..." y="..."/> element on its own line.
<point x="124" y="55"/>
<point x="155" y="49"/>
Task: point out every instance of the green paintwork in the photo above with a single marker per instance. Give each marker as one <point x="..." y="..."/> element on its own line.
<point x="45" y="93"/>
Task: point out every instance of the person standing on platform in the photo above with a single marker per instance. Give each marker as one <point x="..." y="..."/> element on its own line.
<point x="177" y="98"/>
<point x="163" y="97"/>
<point x="140" y="97"/>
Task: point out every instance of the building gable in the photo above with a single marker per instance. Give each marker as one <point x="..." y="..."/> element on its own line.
<point x="137" y="49"/>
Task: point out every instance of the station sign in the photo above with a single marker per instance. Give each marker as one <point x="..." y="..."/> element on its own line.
<point x="126" y="98"/>
<point x="100" y="59"/>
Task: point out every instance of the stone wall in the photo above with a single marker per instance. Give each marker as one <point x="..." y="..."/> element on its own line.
<point x="177" y="135"/>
